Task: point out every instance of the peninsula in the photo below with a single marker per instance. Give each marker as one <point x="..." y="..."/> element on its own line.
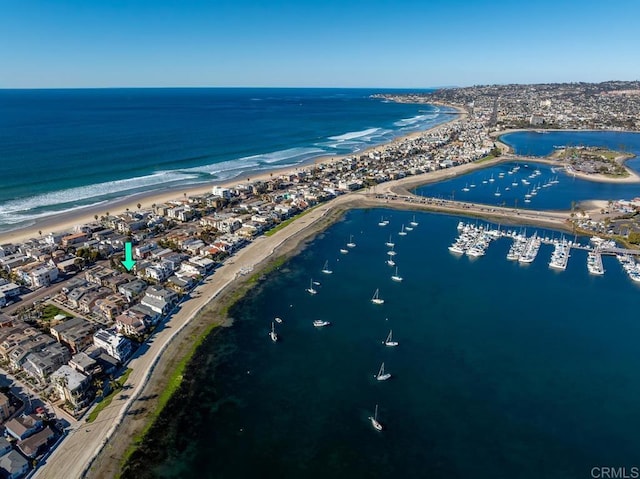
<point x="116" y="337"/>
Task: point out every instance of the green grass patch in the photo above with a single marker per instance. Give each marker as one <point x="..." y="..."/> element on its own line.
<point x="50" y="311"/>
<point x="120" y="382"/>
<point x="286" y="223"/>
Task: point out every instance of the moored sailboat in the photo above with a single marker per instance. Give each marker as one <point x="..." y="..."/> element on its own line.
<point x="390" y="243"/>
<point x="311" y="289"/>
<point x="382" y="376"/>
<point x="389" y="341"/>
<point x="396" y="277"/>
<point x="374" y="420"/>
<point x="376" y="298"/>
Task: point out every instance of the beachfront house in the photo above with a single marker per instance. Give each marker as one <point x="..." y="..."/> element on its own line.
<point x="72" y="386"/>
<point x="132" y="323"/>
<point x="114" y="344"/>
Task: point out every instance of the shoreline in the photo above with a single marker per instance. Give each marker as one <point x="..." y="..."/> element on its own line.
<point x="229" y="280"/>
<point x="66" y="221"/>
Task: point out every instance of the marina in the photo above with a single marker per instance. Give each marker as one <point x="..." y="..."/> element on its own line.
<point x="474" y="239"/>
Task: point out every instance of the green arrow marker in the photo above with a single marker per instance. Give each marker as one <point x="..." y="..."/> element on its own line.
<point x="128" y="257"/>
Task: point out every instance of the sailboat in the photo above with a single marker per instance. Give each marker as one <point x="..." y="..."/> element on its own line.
<point x="325" y="268"/>
<point x="319" y="323"/>
<point x="351" y="244"/>
<point x="390" y="261"/>
<point x="402" y="232"/>
<point x="344" y="250"/>
<point x="491" y="180"/>
<point x="497" y="193"/>
<point x="382" y="376"/>
<point x="395" y="277"/>
<point x="311" y="289"/>
<point x="413" y="222"/>
<point x="272" y="333"/>
<point x="466" y="187"/>
<point x="376" y="298"/>
<point x="383" y="222"/>
<point x="390" y="243"/>
<point x="374" y="420"/>
<point x="278" y="320"/>
<point x="389" y="341"/>
<point x="391" y="252"/>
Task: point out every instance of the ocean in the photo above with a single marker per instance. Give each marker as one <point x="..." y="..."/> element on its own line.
<point x="503" y="370"/>
<point x="497" y="186"/>
<point x="66" y="149"/>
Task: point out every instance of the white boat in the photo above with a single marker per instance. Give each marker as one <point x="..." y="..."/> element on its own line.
<point x="325" y="268"/>
<point x="472" y="185"/>
<point x="466" y="187"/>
<point x="389" y="341"/>
<point x="413" y="222"/>
<point x="390" y="243"/>
<point x="376" y="298"/>
<point x="319" y="323"/>
<point x="311" y="289"/>
<point x="272" y="333"/>
<point x="351" y="244"/>
<point x="402" y="232"/>
<point x="383" y="222"/>
<point x="382" y="376"/>
<point x="409" y="228"/>
<point x="279" y="320"/>
<point x="491" y="180"/>
<point x="344" y="251"/>
<point x="497" y="193"/>
<point x="374" y="420"/>
<point x="395" y="277"/>
<point x="390" y="262"/>
<point x="391" y="252"/>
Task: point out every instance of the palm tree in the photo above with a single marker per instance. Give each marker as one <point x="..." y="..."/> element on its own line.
<point x="139" y="205"/>
<point x="95" y="217"/>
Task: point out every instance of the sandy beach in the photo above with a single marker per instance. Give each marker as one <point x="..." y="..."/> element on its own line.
<point x="68" y="220"/>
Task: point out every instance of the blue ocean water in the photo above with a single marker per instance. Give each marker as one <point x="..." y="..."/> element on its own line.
<point x="502" y="370"/>
<point x="558" y="196"/>
<point x="63" y="149"/>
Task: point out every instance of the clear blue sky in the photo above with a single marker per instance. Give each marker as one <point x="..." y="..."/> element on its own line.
<point x="343" y="43"/>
